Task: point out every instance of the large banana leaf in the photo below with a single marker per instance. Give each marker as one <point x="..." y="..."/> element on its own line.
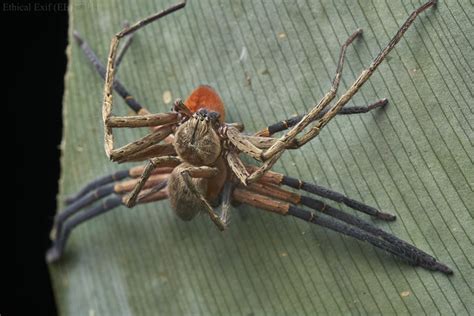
<point x="269" y="60"/>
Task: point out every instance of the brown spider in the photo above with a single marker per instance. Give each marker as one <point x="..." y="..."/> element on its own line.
<point x="197" y="166"/>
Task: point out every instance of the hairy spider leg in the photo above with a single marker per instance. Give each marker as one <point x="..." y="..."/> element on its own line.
<point x="245" y="145"/>
<point x="281" y="179"/>
<point x="152" y="164"/>
<point x="203" y="96"/>
<point x="156" y="150"/>
<point x="75" y="214"/>
<point x="286" y="124"/>
<point x="114" y="177"/>
<point x="271" y="155"/>
<point x="195" y="99"/>
<point x="142" y="144"/>
<point x="266" y="194"/>
<point x="110" y="72"/>
<point x="206" y="95"/>
<point x="112" y="190"/>
<point x="266" y="187"/>
<point x="190" y="172"/>
<point x="98" y="193"/>
<point x="277" y="200"/>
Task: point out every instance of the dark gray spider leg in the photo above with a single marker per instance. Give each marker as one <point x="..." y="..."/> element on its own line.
<point x="114" y="177"/>
<point x="280" y="201"/>
<point x="415" y="255"/>
<point x="337" y="197"/>
<point x="118" y="86"/>
<point x="87" y="199"/>
<point x="63" y="230"/>
<point x="297" y="199"/>
<point x="410" y="254"/>
<point x="360" y="109"/>
<point x="94" y="184"/>
<point x="75" y="214"/>
<point x="285" y="124"/>
<point x="281" y="179"/>
<point x="98" y="193"/>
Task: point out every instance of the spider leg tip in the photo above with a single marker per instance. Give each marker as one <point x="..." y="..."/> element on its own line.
<point x="432" y="3"/>
<point x="77" y="37"/>
<point x="386" y="217"/>
<point x="52" y="255"/>
<point x="128" y="202"/>
<point x="448" y="271"/>
<point x="69" y="199"/>
<point x="443" y="268"/>
<point x="381" y="103"/>
<point x="52" y="234"/>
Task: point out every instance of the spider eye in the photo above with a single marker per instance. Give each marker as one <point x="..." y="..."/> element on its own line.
<point x="214" y="116"/>
<point x="202" y="112"/>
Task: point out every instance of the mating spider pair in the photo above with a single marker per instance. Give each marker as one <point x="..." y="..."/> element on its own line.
<point x="193" y="159"/>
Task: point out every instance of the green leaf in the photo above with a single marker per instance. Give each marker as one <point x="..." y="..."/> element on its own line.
<point x="413" y="158"/>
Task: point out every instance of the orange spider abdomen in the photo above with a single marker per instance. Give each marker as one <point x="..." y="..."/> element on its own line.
<point x="206" y="97"/>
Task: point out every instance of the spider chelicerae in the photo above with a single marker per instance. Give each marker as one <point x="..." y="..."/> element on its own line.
<point x="194" y="158"/>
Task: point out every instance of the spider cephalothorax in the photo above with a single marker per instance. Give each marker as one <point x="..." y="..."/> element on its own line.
<point x="197" y="141"/>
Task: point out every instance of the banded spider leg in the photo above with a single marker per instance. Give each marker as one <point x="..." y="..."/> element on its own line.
<point x="266" y="194"/>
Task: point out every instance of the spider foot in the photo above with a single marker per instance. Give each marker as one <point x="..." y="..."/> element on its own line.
<point x="432" y="264"/>
<point x="131" y="199"/>
<point x="386" y="216"/>
<point x="222" y="225"/>
<point x="53" y="254"/>
<point x="129" y="202"/>
<point x="52" y="233"/>
<point x="443" y="268"/>
<point x="381" y="103"/>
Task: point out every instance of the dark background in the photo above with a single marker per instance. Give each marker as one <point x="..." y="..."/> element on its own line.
<point x="33" y="54"/>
